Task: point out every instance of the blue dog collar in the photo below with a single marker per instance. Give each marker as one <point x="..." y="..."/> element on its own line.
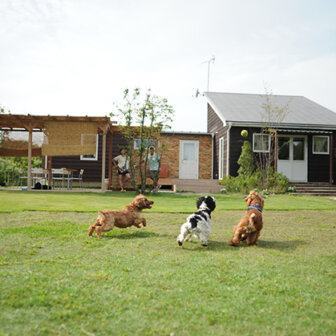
<point x="257" y="207"/>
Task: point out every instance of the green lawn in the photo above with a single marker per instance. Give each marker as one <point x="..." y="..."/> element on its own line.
<point x="55" y="280"/>
<point x="14" y="201"/>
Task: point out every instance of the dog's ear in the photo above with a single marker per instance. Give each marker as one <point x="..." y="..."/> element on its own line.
<point x="139" y="201"/>
<point x="200" y="201"/>
<point x="211" y="203"/>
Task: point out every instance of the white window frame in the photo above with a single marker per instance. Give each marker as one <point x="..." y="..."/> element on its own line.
<point x="269" y="143"/>
<point x="221" y="158"/>
<point x="95" y="158"/>
<point x="328" y="144"/>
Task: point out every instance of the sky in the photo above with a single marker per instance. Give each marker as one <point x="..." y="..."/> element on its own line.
<point x="76" y="57"/>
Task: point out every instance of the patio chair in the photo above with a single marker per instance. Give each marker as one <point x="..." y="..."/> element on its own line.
<point x="79" y="178"/>
<point x="38" y="175"/>
<point x="62" y="175"/>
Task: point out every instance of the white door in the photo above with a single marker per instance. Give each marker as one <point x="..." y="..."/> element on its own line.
<point x="292" y="157"/>
<point x="189" y="159"/>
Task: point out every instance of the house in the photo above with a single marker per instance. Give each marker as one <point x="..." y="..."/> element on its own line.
<point x="188" y="157"/>
<point x="304" y="141"/>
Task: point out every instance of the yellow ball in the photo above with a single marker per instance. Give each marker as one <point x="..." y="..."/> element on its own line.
<point x="244" y="133"/>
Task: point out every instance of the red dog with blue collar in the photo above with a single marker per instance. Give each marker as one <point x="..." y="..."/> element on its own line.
<point x="251" y="224"/>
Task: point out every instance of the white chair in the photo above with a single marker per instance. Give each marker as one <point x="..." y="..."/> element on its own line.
<point x="61" y="174"/>
<point x="38" y="175"/>
<point x="79" y="178"/>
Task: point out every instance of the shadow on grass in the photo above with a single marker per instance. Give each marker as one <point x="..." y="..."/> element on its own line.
<point x="212" y="246"/>
<point x="284" y="245"/>
<point x="130" y="235"/>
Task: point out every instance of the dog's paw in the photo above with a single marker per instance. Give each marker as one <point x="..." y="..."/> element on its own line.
<point x="205" y="245"/>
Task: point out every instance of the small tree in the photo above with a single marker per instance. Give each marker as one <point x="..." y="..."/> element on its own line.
<point x="272" y="116"/>
<point x="143" y="119"/>
<point x="246" y="161"/>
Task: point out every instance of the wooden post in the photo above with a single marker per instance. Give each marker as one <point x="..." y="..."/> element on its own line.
<point x="331" y="166"/>
<point x="30" y="141"/>
<point x="110" y="162"/>
<point x="103" y="161"/>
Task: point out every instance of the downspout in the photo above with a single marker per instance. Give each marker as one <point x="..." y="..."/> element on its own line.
<point x="228" y="149"/>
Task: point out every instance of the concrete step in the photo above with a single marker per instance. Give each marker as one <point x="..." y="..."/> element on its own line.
<point x="315" y="188"/>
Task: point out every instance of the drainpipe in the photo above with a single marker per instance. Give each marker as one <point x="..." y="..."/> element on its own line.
<point x="228" y="149"/>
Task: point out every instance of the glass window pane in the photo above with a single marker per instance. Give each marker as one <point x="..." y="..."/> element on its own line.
<point x="261" y="142"/>
<point x="283" y="148"/>
<point x="321" y="144"/>
<point x="189" y="151"/>
<point x="298" y="149"/>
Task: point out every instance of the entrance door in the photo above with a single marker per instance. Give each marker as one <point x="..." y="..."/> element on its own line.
<point x="189" y="159"/>
<point x="292" y="157"/>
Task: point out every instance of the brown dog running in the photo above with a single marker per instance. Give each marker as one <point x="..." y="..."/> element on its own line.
<point x="128" y="216"/>
<point x="251" y="224"/>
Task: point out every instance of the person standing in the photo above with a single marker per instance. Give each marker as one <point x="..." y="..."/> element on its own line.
<point x="122" y="163"/>
<point x="154" y="161"/>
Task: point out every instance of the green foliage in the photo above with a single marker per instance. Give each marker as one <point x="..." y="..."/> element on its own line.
<point x="10" y="166"/>
<point x="143" y="118"/>
<point x="246" y="160"/>
<point x="278" y="183"/>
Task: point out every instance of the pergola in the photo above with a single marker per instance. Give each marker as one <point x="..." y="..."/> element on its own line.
<point x="30" y="124"/>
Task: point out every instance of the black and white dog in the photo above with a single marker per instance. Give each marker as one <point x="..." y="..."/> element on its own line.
<point x="198" y="224"/>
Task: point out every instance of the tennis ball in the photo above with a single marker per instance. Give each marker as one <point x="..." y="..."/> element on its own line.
<point x="244" y="133"/>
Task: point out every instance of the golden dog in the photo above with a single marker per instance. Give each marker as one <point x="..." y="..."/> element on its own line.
<point x="128" y="216"/>
<point x="251" y="224"/>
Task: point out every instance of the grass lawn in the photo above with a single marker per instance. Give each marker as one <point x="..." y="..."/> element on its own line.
<point x="55" y="280"/>
<point x="14" y="201"/>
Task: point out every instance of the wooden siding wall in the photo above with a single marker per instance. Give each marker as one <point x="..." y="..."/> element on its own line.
<point x="92" y="169"/>
<point x="319" y="165"/>
<point x="215" y="126"/>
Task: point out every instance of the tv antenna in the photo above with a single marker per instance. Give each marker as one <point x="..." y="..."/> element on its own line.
<point x="211" y="60"/>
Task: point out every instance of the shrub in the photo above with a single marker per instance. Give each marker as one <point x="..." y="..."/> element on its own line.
<point x="278" y="183"/>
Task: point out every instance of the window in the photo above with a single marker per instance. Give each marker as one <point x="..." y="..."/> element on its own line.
<point x="93" y="157"/>
<point x="147" y="143"/>
<point x="298" y="149"/>
<point x="261" y="143"/>
<point x="320" y="144"/>
<point x="283" y="148"/>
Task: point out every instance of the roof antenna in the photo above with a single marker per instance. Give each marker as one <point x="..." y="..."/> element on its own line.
<point x="211" y="60"/>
